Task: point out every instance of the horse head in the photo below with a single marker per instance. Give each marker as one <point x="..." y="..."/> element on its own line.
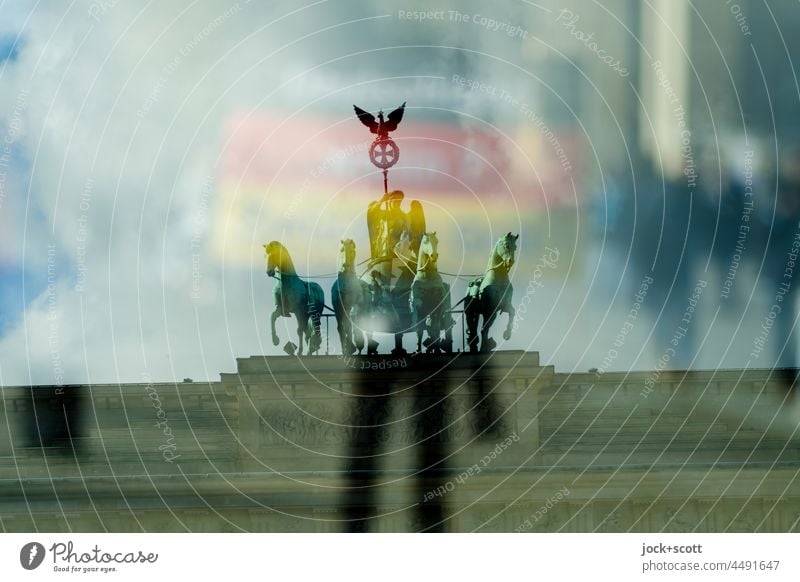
<point x="347" y="254"/>
<point x="428" y="249"/>
<point x="402" y="249"/>
<point x="506" y="249"/>
<point x="276" y="256"/>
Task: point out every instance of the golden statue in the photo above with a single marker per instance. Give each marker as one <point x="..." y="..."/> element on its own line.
<point x="388" y="224"/>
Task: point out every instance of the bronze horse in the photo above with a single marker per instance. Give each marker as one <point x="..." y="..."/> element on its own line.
<point x="350" y="296"/>
<point x="430" y="299"/>
<point x="294" y="296"/>
<point x="490" y="295"/>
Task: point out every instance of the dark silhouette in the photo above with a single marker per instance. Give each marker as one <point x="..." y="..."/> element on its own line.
<point x="370" y="414"/>
<point x="432" y="382"/>
<point x="665" y="246"/>
<point x="55" y="420"/>
<point x="781" y="278"/>
<point x="490" y="295"/>
<point x="380" y="126"/>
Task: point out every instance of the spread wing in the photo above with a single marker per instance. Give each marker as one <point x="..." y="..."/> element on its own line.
<point x="395" y="117"/>
<point x="367" y="118"/>
<point x="416" y="218"/>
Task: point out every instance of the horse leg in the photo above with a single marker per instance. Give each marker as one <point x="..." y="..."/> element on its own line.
<point x="472" y="320"/>
<point x="416" y="306"/>
<point x="398" y="345"/>
<point x="486" y="341"/>
<point x="434" y="331"/>
<point x="344" y="339"/>
<point x="272" y="319"/>
<point x="358" y="339"/>
<point x="311" y="336"/>
<point x="342" y="320"/>
<point x="437" y="320"/>
<point x="356" y="333"/>
<point x="301" y="325"/>
<point x="347" y="337"/>
<point x="315" y="339"/>
<point x="445" y="321"/>
<point x="511" y="315"/>
<point x="372" y="345"/>
<point x="433" y="340"/>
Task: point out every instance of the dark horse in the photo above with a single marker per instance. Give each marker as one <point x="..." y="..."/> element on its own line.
<point x="491" y="294"/>
<point x="350" y="296"/>
<point x="293" y="296"/>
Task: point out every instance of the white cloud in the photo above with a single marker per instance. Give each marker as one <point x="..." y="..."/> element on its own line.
<point x="119" y="179"/>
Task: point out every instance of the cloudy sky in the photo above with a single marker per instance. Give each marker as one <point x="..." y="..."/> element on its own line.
<point x="148" y="150"/>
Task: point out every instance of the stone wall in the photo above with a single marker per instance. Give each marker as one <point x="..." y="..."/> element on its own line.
<point x="496" y="443"/>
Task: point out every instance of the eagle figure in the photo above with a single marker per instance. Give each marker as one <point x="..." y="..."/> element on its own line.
<point x="381" y="126"/>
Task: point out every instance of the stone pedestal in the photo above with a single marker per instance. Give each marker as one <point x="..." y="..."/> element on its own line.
<point x="416" y="443"/>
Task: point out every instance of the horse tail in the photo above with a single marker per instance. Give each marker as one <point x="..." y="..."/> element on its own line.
<point x="316" y="303"/>
<point x="315" y="297"/>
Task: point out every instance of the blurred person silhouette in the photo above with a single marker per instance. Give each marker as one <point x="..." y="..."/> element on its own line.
<point x="718" y="216"/>
<point x="781" y="274"/>
<point x="431" y="383"/>
<point x="611" y="214"/>
<point x="371" y="407"/>
<point x="55" y="419"/>
<point x="664" y="241"/>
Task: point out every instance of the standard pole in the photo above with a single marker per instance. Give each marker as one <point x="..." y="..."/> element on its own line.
<point x="386" y="215"/>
